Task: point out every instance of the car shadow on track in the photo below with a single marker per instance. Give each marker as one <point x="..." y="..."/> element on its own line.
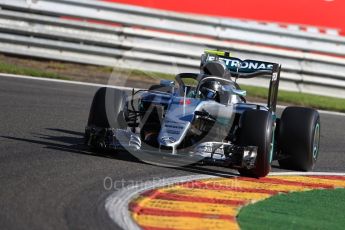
<point x="73" y="142"/>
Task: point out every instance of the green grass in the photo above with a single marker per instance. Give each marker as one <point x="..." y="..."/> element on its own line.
<point x="302" y="99"/>
<point x="19" y="70"/>
<point x="317" y="209"/>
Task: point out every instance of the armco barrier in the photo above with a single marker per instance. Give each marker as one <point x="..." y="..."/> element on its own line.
<point x="166" y="42"/>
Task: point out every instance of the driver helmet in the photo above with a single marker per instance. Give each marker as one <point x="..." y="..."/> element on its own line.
<point x="211" y="90"/>
<point x="215" y="68"/>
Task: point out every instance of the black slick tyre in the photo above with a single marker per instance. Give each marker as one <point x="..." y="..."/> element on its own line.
<point x="256" y="129"/>
<point x="106" y="112"/>
<point x="299" y="138"/>
<point x="107" y="109"/>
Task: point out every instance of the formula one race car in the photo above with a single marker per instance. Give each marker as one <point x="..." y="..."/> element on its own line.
<point x="206" y="117"/>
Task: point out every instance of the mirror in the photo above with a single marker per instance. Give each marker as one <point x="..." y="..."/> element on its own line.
<point x="239" y="92"/>
<point x="230" y="89"/>
<point x="202" y="113"/>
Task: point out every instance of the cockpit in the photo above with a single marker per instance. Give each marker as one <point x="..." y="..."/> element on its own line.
<point x="213" y="83"/>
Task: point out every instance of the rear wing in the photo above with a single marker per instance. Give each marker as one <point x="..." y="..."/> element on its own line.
<point x="248" y="69"/>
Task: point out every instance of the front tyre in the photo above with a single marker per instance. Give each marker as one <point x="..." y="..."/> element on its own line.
<point x="299" y="138"/>
<point x="107" y="112"/>
<point x="256" y="129"/>
<point x="107" y="109"/>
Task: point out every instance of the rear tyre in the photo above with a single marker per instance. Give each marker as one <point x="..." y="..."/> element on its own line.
<point x="299" y="138"/>
<point x="256" y="129"/>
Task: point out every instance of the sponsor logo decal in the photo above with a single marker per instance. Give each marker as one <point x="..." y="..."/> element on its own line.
<point x="168" y="140"/>
<point x="246" y="66"/>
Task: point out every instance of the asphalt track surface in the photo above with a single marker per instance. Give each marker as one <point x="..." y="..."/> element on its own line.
<point x="48" y="180"/>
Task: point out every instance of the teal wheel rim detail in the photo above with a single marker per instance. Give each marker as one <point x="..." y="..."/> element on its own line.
<point x="273" y="139"/>
<point x="272" y="148"/>
<point x="316" y="141"/>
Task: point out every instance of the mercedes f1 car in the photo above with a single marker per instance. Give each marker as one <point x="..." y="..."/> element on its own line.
<point x="205" y="116"/>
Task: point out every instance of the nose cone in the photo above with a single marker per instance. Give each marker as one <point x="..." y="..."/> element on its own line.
<point x="177" y="122"/>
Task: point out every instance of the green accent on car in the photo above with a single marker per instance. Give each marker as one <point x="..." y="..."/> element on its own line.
<point x="316" y="209"/>
<point x="273" y="138"/>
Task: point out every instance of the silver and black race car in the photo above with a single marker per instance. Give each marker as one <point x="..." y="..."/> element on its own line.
<point x="205" y="117"/>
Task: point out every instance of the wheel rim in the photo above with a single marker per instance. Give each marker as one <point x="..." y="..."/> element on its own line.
<point x="272" y="147"/>
<point x="273" y="139"/>
<point x="316" y="141"/>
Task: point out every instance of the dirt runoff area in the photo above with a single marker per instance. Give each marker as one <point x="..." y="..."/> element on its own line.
<point x="84" y="73"/>
<point x="80" y="72"/>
